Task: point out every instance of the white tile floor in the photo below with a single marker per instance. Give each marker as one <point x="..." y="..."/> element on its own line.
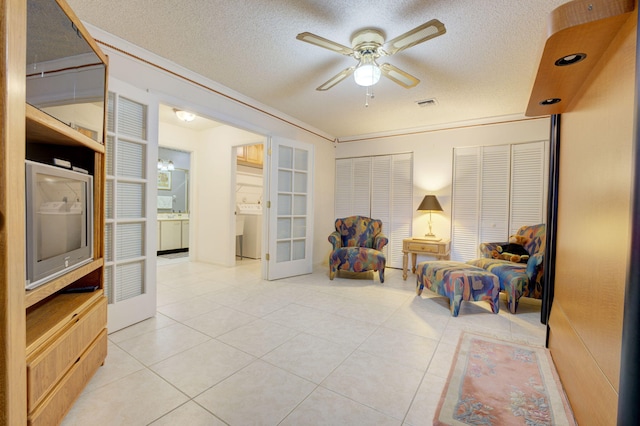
<point x="229" y="348"/>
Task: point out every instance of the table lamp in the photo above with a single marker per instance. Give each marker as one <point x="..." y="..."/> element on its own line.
<point x="430" y="203"/>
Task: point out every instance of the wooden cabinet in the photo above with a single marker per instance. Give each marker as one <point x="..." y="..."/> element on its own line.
<point x="185" y="234"/>
<point x="251" y="155"/>
<point x="65" y="333"/>
<point x="173" y="234"/>
<point x="170" y="234"/>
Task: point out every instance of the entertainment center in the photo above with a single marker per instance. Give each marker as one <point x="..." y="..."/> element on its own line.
<point x="54" y="335"/>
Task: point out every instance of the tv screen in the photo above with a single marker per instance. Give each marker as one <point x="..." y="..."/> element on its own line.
<point x="59" y="221"/>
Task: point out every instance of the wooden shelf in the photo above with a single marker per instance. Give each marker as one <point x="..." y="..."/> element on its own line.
<point x="43" y="128"/>
<point x="40" y="293"/>
<point x="579" y="26"/>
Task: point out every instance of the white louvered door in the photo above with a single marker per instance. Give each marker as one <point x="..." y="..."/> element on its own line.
<point x="496" y="190"/>
<point x="130" y="215"/>
<point x="344" y="188"/>
<point x="380" y="187"/>
<point x="494" y="193"/>
<point x="465" y="203"/>
<point x="401" y="206"/>
<point x="528" y="189"/>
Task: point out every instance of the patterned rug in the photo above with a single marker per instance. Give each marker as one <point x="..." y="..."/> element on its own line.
<point x="494" y="382"/>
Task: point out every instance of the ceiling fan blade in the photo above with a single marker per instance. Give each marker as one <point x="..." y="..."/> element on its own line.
<point x="327" y="44"/>
<point x="396" y="75"/>
<point x="424" y="32"/>
<point x="336" y="79"/>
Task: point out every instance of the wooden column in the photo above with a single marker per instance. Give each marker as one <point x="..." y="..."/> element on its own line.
<point x="13" y="406"/>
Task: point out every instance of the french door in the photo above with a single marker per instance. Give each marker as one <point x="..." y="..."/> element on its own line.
<point x="290" y="209"/>
<point x="131" y="158"/>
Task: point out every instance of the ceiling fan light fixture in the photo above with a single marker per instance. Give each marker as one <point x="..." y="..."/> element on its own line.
<point x="367" y="73"/>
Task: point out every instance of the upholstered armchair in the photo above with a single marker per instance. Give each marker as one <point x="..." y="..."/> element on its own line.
<point x="518" y="279"/>
<point x="357" y="246"/>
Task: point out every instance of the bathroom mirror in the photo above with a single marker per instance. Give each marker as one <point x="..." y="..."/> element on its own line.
<point x="65" y="76"/>
<point x="173" y="194"/>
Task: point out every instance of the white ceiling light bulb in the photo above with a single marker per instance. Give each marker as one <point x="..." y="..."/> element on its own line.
<point x="185" y="115"/>
<point x="367" y="73"/>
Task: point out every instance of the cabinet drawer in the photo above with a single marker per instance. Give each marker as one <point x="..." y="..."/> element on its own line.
<point x="423" y="248"/>
<point x="53" y="409"/>
<point x="48" y="364"/>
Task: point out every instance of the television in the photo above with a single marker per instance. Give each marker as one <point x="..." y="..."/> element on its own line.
<point x="59" y="221"/>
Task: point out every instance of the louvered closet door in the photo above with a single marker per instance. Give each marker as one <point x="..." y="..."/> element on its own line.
<point x="494" y="193"/>
<point x="381" y="197"/>
<point x="466" y="203"/>
<point x="344" y="188"/>
<point x="401" y="206"/>
<point x="528" y="184"/>
<point x="129" y="239"/>
<point x="380" y="187"/>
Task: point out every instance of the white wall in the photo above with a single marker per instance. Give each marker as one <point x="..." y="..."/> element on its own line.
<point x="432" y="159"/>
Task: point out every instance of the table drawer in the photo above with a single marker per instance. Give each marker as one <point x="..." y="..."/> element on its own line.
<point x="423" y="247"/>
<point x="47" y="365"/>
<point x="56" y="405"/>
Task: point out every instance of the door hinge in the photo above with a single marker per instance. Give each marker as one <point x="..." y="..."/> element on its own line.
<point x="268" y="204"/>
<point x="266" y="256"/>
<point x="269" y="152"/>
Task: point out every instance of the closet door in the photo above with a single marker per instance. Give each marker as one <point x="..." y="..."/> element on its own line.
<point x="353" y="187"/>
<point x="380" y="187"/>
<point x="528" y="188"/>
<point x="494" y="193"/>
<point x="401" y="206"/>
<point x="465" y="221"/>
<point x="381" y="196"/>
<point x="343" y="188"/>
<point x="362" y="186"/>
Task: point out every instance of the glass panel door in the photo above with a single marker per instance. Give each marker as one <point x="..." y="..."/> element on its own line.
<point x="291" y="213"/>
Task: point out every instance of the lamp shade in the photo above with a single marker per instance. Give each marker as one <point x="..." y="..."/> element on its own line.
<point x="430" y="203"/>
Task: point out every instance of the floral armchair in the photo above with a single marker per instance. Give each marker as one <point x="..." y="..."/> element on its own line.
<point x="357" y="244"/>
<point x="518" y="279"/>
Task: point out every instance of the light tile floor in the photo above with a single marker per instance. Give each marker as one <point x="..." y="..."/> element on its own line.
<point x="229" y="348"/>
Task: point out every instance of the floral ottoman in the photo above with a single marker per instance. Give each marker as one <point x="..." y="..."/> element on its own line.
<point x="458" y="281"/>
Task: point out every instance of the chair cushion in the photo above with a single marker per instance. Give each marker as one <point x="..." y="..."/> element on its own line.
<point x="357" y="259"/>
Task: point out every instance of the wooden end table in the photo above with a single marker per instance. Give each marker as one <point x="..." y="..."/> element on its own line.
<point x="441" y="250"/>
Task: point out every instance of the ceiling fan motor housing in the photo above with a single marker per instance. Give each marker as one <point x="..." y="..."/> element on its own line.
<point x="367" y="41"/>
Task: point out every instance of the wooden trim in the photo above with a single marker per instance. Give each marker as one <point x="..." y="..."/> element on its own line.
<point x="579" y="26"/>
<point x="13" y="19"/>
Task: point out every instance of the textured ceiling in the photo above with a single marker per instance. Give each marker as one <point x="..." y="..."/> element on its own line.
<point x="484" y="66"/>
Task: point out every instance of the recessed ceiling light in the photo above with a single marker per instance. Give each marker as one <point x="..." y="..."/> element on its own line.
<point x="550" y="101"/>
<point x="574" y="58"/>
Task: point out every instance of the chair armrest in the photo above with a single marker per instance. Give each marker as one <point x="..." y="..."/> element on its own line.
<point x="487" y="248"/>
<point x="532" y="265"/>
<point x="380" y="241"/>
<point x="335" y="239"/>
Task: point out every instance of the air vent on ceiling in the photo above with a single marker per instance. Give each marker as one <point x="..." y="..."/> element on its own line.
<point x="427" y="102"/>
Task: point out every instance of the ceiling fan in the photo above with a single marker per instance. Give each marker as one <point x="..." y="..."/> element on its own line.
<point x="367" y="46"/>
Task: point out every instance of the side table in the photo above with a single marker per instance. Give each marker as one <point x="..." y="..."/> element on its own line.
<point x="440" y="249"/>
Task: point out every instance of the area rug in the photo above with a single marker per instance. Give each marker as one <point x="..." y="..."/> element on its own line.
<point x="494" y="382"/>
